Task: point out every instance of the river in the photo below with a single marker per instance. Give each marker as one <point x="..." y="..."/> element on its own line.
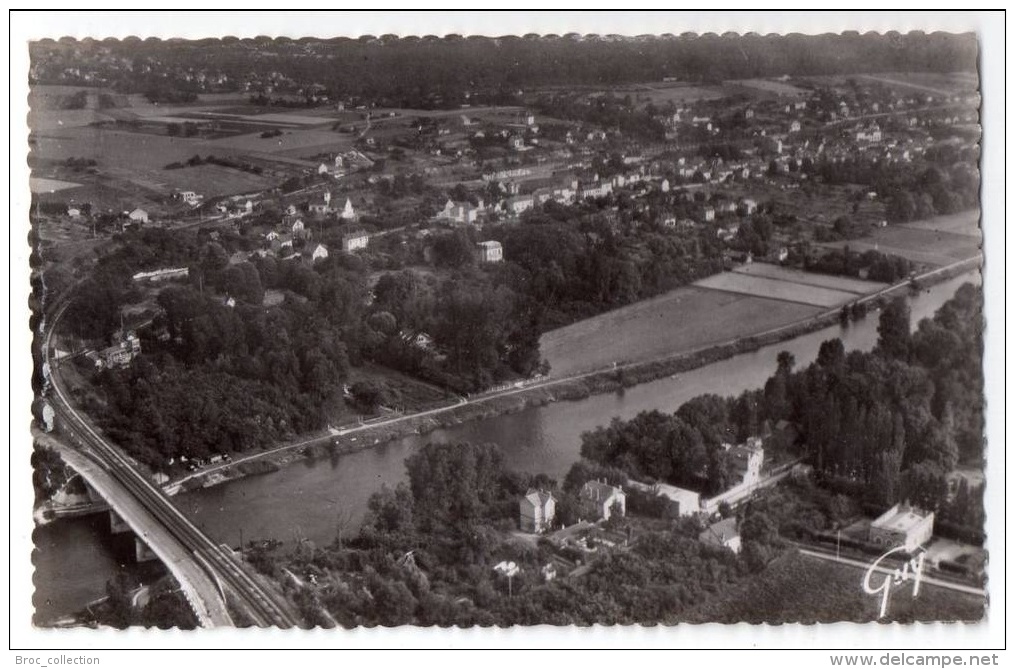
<point x="310" y="499"/>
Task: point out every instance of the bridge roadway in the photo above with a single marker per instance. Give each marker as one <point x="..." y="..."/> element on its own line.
<point x="208" y="572"/>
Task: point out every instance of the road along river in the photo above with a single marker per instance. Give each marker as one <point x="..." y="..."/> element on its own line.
<point x="312" y="498"/>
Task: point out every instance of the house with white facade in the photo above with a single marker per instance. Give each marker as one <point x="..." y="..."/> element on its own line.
<point x="600" y="500"/>
<point x="536" y="511"/>
<point x="355" y="241"/>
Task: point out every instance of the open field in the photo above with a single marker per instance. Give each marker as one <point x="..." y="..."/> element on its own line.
<point x="933" y="83"/>
<point x="131" y="150"/>
<point x="209" y="180"/>
<point x="44" y="120"/>
<point x="928" y="82"/>
<point x="662" y="93"/>
<point x="678" y="321"/>
<point x="776" y="289"/>
<point x="927" y="246"/>
<point x="779" y="273"/>
<point x="140" y="105"/>
<point x="962" y="223"/>
<point x="769" y="86"/>
<point x="290" y="119"/>
<point x="798" y="589"/>
<point x="287" y="143"/>
<point x="41" y="185"/>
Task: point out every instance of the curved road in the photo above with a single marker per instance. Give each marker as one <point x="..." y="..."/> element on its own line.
<point x="208" y="572"/>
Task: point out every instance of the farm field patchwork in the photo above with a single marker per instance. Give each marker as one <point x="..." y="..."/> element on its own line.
<point x="759" y="286"/>
<point x="858" y="286"/>
<point x="927" y="246"/>
<point x="679" y="321"/>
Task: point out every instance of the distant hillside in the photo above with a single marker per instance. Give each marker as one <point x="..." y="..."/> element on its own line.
<point x="441" y="71"/>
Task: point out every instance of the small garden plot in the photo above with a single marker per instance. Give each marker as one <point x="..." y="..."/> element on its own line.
<point x="757" y="286"/>
<point x="857" y="286"/>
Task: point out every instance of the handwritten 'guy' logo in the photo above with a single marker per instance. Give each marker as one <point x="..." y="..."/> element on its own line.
<point x="911" y="570"/>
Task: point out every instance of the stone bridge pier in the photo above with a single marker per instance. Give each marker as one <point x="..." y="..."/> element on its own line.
<point x="142" y="553"/>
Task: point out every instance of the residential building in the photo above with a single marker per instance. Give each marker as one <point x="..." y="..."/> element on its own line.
<point x="595" y="190"/>
<point x="600" y="500"/>
<point x="320" y="252"/>
<point x="355" y="240"/>
<point x="74" y="212"/>
<point x="282" y="242"/>
<point x="707" y="214"/>
<point x="871" y="134"/>
<point x="518" y="204"/>
<point x="748" y="206"/>
<point x="682" y="502"/>
<point x="138" y="216"/>
<point x="536" y="511"/>
<point x="746" y="460"/>
<point x="190" y="197"/>
<point x="794" y="126"/>
<point x="461" y="212"/>
<point x="490" y="251"/>
<point x="723" y="534"/>
<point x="163" y="274"/>
<point x="121" y="353"/>
<point x="902" y="525"/>
<point x="348" y="213"/>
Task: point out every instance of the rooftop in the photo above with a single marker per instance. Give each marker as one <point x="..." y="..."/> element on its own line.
<point x="538" y="497"/>
<point x="900" y="518"/>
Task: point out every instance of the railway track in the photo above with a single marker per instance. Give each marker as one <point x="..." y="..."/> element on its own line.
<point x="249" y="596"/>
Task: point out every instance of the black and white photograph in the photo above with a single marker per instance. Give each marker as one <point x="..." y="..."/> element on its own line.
<point x="466" y="330"/>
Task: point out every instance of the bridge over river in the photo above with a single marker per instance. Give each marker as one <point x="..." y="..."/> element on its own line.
<point x="220" y="587"/>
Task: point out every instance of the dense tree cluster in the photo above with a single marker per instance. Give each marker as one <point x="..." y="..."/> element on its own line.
<point x="572" y="268"/>
<point x="883" y="267"/>
<point x="887" y="425"/>
<point x="943" y="183"/>
<point x="428" y="547"/>
<point x="604" y="112"/>
<point x="443" y="72"/>
<point x="684" y="449"/>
